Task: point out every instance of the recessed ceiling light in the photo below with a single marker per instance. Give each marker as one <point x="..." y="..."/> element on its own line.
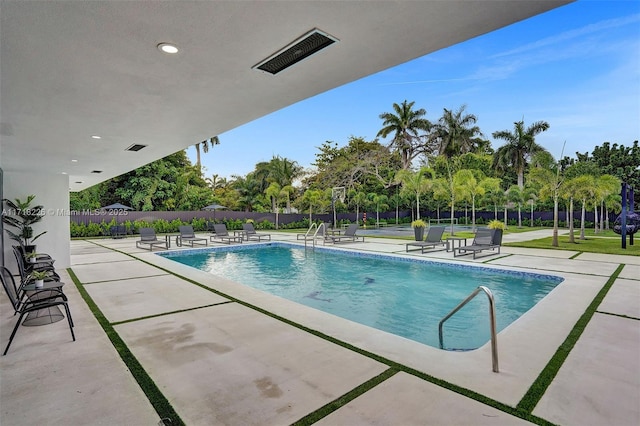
<point x="64" y="173"/>
<point x="74" y="161"/>
<point x="96" y="137"/>
<point x="168" y="48"/>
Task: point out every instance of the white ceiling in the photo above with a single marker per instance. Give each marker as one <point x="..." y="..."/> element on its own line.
<point x="73" y="69"/>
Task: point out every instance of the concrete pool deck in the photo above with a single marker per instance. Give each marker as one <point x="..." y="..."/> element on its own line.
<point x="219" y="360"/>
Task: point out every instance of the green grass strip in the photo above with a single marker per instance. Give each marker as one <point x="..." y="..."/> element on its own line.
<point x="540" y="385"/>
<point x="151" y="390"/>
<point x="576" y="255"/>
<point x="329" y="408"/>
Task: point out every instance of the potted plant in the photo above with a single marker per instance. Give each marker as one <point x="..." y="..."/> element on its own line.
<point x="498" y="229"/>
<point x="32" y="257"/>
<point x="38" y="278"/>
<point x="418" y="226"/>
<point x="22" y="217"/>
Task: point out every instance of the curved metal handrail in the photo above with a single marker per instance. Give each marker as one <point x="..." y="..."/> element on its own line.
<point x="492" y="323"/>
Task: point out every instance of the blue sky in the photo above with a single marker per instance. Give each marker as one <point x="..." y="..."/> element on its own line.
<point x="576" y="67"/>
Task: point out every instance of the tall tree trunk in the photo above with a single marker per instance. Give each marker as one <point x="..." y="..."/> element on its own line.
<point x="554" y="241"/>
<point x="582" y="219"/>
<point x="521" y="178"/>
<point x="531" y="224"/>
<point x="571" y="237"/>
<point x="505" y="216"/>
<point x="198" y="163"/>
<point x="595" y="218"/>
<point x="519" y="215"/>
<point x="473" y="214"/>
<point x="452" y="214"/>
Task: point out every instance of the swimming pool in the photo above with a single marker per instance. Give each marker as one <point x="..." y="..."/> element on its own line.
<point x="403" y="296"/>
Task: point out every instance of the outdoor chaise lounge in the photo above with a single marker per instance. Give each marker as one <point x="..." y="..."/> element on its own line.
<point x="433" y="239"/>
<point x="148" y="239"/>
<point x="348" y="236"/>
<point x="251" y="234"/>
<point x="222" y="235"/>
<point x="485" y="239"/>
<point x="189" y="237"/>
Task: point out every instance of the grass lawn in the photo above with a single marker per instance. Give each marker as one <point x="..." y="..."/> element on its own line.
<point x="592" y="244"/>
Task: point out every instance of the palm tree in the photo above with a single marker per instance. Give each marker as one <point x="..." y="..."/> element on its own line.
<point x="548" y="174"/>
<point x="283" y="172"/>
<point x="493" y="193"/>
<point x="608" y="187"/>
<point x="515" y="194"/>
<point x="248" y="189"/>
<point x="406" y="125"/>
<point x="520" y="147"/>
<point x="276" y="193"/>
<point x="380" y="201"/>
<point x="571" y="190"/>
<point x="415" y="183"/>
<point x="358" y="198"/>
<point x="472" y="188"/>
<point x="584" y="191"/>
<point x="456" y="132"/>
<point x="206" y="144"/>
<point x="314" y="198"/>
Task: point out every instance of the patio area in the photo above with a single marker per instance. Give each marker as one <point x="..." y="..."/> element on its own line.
<point x="223" y="353"/>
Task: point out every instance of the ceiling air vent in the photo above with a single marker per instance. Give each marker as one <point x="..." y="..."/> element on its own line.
<point x="96" y="171"/>
<point x="135" y="147"/>
<point x="305" y="46"/>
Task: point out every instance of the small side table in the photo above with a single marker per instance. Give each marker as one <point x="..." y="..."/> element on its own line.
<point x="43" y="316"/>
<point x="451" y="243"/>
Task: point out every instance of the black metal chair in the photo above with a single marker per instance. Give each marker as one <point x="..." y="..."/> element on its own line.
<point x="36" y="301"/>
<point x="25" y="269"/>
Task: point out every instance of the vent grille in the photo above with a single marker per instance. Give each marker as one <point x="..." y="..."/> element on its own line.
<point x="135" y="147"/>
<point x="96" y="171"/>
<point x="304" y="47"/>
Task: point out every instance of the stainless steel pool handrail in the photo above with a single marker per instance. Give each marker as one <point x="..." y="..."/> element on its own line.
<point x="492" y="323"/>
<point x="315" y="234"/>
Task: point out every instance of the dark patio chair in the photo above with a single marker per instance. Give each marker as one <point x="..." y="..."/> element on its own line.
<point x="222" y="235"/>
<point x="148" y="239"/>
<point x="485" y="239"/>
<point x="348" y="236"/>
<point x="251" y="234"/>
<point x="433" y="239"/>
<point x="37" y="301"/>
<point x="187" y="235"/>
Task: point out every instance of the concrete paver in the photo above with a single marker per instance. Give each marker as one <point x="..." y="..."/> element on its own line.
<point x="598" y="384"/>
<point x="559" y="265"/>
<point x="229" y="364"/>
<point x="615" y="258"/>
<point x="98" y="272"/>
<point x="407" y="400"/>
<point x="623" y="299"/>
<point x="122" y="300"/>
<point x="631" y="272"/>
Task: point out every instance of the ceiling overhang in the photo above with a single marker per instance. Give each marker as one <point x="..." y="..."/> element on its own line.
<point x="72" y="70"/>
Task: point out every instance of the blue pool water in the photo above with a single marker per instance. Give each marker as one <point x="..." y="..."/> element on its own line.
<point x="406" y="297"/>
